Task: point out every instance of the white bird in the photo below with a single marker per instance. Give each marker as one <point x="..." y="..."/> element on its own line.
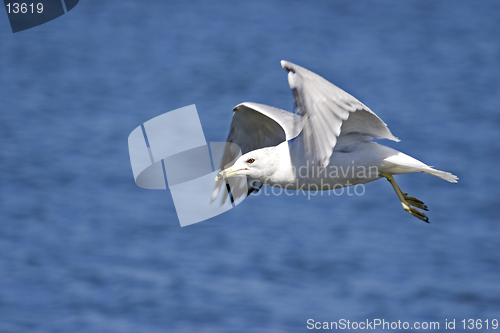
<point x="325" y="145"/>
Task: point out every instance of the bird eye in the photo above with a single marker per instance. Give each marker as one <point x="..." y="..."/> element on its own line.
<point x="250" y="160"/>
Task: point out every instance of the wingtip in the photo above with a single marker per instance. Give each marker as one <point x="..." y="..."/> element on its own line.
<point x="237" y="107"/>
<point x="288" y="66"/>
<point x="389" y="135"/>
<point x="244" y="105"/>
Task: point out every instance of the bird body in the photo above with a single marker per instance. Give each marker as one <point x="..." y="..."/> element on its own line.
<point x="362" y="163"/>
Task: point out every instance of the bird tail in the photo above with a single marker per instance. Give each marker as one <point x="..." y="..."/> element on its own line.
<point x="441" y="174"/>
<point x="398" y="163"/>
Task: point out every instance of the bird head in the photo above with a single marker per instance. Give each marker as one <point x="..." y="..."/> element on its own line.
<point x="257" y="165"/>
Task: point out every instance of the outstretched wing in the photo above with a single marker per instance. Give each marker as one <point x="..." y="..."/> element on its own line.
<point x="328" y="113"/>
<point x="256" y="126"/>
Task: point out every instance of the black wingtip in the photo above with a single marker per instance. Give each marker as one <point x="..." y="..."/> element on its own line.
<point x="287" y="66"/>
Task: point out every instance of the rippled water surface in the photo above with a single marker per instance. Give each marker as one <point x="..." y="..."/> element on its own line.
<point x="83" y="249"/>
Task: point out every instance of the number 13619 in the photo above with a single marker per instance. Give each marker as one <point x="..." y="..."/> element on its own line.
<point x="24" y="8"/>
<point x="479" y="324"/>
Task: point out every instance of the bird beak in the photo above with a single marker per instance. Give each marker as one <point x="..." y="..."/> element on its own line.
<point x="229" y="172"/>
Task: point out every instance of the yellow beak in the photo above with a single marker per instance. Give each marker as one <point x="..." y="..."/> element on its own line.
<point x="229" y="172"/>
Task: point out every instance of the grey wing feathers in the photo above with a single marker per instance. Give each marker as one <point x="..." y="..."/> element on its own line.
<point x="255" y="126"/>
<point x="329" y="112"/>
<point x="290" y="123"/>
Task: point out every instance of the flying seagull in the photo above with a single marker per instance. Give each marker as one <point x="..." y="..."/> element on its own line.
<point x="326" y="144"/>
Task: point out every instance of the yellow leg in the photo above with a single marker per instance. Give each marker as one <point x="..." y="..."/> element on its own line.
<point x="408" y="201"/>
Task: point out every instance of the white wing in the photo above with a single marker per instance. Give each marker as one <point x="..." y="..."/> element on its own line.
<point x="256" y="126"/>
<point x="329" y="112"/>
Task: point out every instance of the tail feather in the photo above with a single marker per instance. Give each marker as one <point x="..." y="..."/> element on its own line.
<point x="398" y="163"/>
<point x="441" y="174"/>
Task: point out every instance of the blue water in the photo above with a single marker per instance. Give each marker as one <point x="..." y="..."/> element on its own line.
<point x="83" y="249"/>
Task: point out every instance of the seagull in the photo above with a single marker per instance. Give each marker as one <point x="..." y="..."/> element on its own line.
<point x="325" y="144"/>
